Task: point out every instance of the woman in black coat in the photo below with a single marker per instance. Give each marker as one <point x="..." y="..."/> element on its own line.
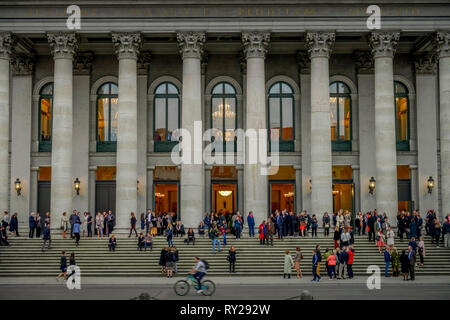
<point x="163" y="259"/>
<point x="232" y="259"/>
<point x="404" y="261"/>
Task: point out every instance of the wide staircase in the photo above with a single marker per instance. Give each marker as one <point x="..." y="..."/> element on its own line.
<point x="25" y="258"/>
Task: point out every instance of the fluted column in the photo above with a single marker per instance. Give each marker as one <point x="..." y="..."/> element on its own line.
<point x="5" y="52"/>
<point x="319" y="47"/>
<point x="191" y="179"/>
<point x="383" y="46"/>
<point x="127" y="47"/>
<point x="256" y="191"/>
<point x="443" y="54"/>
<point x="63" y="46"/>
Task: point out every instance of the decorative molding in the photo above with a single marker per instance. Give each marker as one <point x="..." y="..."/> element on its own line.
<point x="425" y="63"/>
<point x="405" y="81"/>
<point x="443" y="44"/>
<point x="22" y="64"/>
<point x="127" y="44"/>
<point x="6" y="45"/>
<point x="143" y="62"/>
<point x="286" y="79"/>
<point x="363" y="61"/>
<point x="63" y="45"/>
<point x="38" y="86"/>
<point x="304" y="63"/>
<point x="320" y="44"/>
<point x="384" y="44"/>
<point x="190" y="44"/>
<point x="256" y="44"/>
<point x="159" y="80"/>
<point x="351" y="85"/>
<point x="216" y="80"/>
<point x="97" y="84"/>
<point x="82" y="63"/>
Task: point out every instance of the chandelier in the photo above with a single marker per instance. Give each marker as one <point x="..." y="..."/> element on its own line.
<point x="159" y="195"/>
<point x="225" y="193"/>
<point x="289" y="194"/>
<point x="224" y="111"/>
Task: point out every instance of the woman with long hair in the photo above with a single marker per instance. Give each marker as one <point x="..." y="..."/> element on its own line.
<point x="132" y="224"/>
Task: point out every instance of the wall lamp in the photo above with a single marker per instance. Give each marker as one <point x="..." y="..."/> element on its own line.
<point x="18" y="186"/>
<point x="430" y="184"/>
<point x="372" y="183"/>
<point x="76" y="185"/>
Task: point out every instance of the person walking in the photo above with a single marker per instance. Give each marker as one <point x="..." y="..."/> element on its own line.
<point x="387" y="261"/>
<point x="76" y="232"/>
<point x="170" y="237"/>
<point x="232" y="259"/>
<point x="112" y="243"/>
<point x="288" y="264"/>
<point x="437" y="234"/>
<point x="336" y="238"/>
<point x="251" y="224"/>
<point x="331" y="262"/>
<point x="297" y="260"/>
<point x="412" y="263"/>
<point x="404" y="261"/>
<point x="62" y="266"/>
<point x="31" y="225"/>
<point x="421" y="250"/>
<point x="351" y="256"/>
<point x="133" y="221"/>
<point x="64" y="224"/>
<point x="46" y="237"/>
<point x="315" y="261"/>
<point x="213" y="235"/>
<point x="170" y="263"/>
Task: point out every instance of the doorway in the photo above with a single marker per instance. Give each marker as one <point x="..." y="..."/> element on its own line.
<point x="166" y="197"/>
<point x="105" y="196"/>
<point x="282" y="196"/>
<point x="343" y="195"/>
<point x="44" y="194"/>
<point x="224" y="196"/>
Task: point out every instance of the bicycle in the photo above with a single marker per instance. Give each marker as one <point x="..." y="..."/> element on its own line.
<point x="182" y="287"/>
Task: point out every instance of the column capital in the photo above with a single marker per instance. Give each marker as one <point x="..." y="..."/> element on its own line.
<point x="22" y="64"/>
<point x="384" y="44"/>
<point x="127" y="44"/>
<point x="443" y="44"/>
<point x="256" y="44"/>
<point x="303" y="61"/>
<point x="82" y="63"/>
<point x="320" y="44"/>
<point x="190" y="44"/>
<point x="63" y="45"/>
<point x="143" y="62"/>
<point x="425" y="63"/>
<point x="6" y="44"/>
<point x="364" y="61"/>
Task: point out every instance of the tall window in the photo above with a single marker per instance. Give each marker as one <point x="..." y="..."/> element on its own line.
<point x="402" y="115"/>
<point x="340" y="116"/>
<point x="281" y="115"/>
<point x="223" y="116"/>
<point x="107" y="115"/>
<point x="45" y="118"/>
<point x="166" y="117"/>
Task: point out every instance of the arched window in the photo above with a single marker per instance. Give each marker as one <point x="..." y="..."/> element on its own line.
<point x="223" y="116"/>
<point x="45" y="117"/>
<point x="281" y="115"/>
<point x="340" y="116"/>
<point x="166" y="116"/>
<point x="402" y="116"/>
<point x="107" y="115"/>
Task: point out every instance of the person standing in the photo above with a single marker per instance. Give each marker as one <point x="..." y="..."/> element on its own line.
<point x="288" y="264"/>
<point x="315" y="261"/>
<point x="297" y="260"/>
<point x="262" y="232"/>
<point x="14" y="224"/>
<point x="412" y="262"/>
<point x="31" y="225"/>
<point x="214" y="234"/>
<point x="89" y="225"/>
<point x="395" y="261"/>
<point x="446" y="232"/>
<point x="371" y="226"/>
<point x="62" y="266"/>
<point x="232" y="259"/>
<point x="170" y="263"/>
<point x="99" y="224"/>
<point x="38" y="225"/>
<point x="84" y="224"/>
<point x="314" y="225"/>
<point x="351" y="255"/>
<point x="237" y="226"/>
<point x="72" y="219"/>
<point x="251" y="224"/>
<point x="169" y="237"/>
<point x="270" y="231"/>
<point x="421" y="250"/>
<point x="390" y="237"/>
<point x="76" y="231"/>
<point x="326" y="224"/>
<point x="404" y="261"/>
<point x="380" y="240"/>
<point x="387" y="261"/>
<point x="331" y="262"/>
<point x="47" y="237"/>
<point x="133" y="221"/>
<point x="437" y="233"/>
<point x="64" y="224"/>
<point x="336" y="237"/>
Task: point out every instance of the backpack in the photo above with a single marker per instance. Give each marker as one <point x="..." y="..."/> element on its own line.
<point x="206" y="264"/>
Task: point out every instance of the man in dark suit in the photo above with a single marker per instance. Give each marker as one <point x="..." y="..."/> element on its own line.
<point x="371" y="224"/>
<point x="412" y="262"/>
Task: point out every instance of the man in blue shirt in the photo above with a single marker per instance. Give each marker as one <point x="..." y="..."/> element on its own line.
<point x="315" y="262"/>
<point x="387" y="261"/>
<point x="76" y="231"/>
<point x="251" y="224"/>
<point x="198" y="271"/>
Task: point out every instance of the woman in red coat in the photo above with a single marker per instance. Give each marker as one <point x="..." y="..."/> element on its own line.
<point x="262" y="232"/>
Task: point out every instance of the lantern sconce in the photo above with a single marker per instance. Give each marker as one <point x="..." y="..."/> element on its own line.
<point x="372" y="183"/>
<point x="76" y="185"/>
<point x="430" y="184"/>
<point x="137" y="186"/>
<point x="18" y="186"/>
<point x="310" y="185"/>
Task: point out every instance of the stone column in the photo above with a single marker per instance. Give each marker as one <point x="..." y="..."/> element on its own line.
<point x="414" y="187"/>
<point x="319" y="48"/>
<point x="298" y="188"/>
<point x="304" y="66"/>
<point x="208" y="204"/>
<point x="240" y="188"/>
<point x="192" y="175"/>
<point x="256" y="190"/>
<point x="34" y="177"/>
<point x="356" y="189"/>
<point x="63" y="46"/>
<point x="427" y="142"/>
<point x="127" y="47"/>
<point x="91" y="189"/>
<point x="22" y="66"/>
<point x="6" y="42"/>
<point x="383" y="46"/>
<point x="443" y="51"/>
<point x="150" y="193"/>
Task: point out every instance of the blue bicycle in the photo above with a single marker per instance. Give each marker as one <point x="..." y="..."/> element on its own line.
<point x="182" y="287"/>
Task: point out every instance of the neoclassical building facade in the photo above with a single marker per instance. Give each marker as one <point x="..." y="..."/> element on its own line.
<point x="88" y="117"/>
